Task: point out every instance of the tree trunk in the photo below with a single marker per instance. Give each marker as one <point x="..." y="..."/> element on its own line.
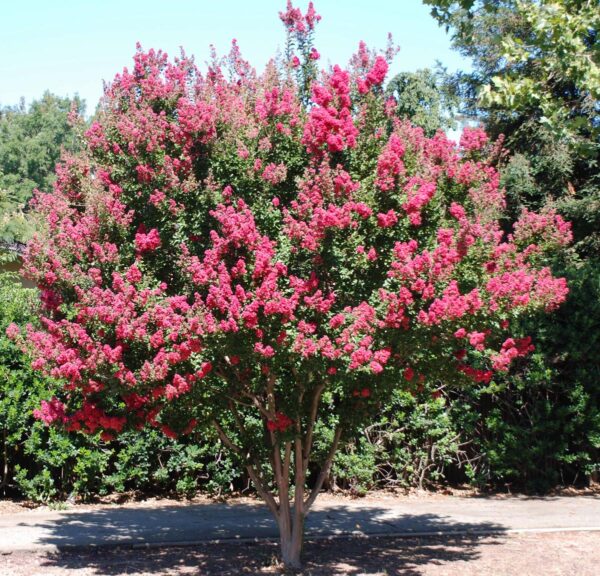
<point x="290" y="517"/>
<point x="291" y="543"/>
<point x="291" y="530"/>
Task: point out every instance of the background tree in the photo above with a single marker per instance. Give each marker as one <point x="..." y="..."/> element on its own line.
<point x="534" y="80"/>
<point x="31" y="141"/>
<point x="421" y="97"/>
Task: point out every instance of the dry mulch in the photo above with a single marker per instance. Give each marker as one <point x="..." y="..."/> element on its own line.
<point x="548" y="554"/>
<point x="134" y="500"/>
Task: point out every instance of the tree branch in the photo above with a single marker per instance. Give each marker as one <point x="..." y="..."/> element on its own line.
<point x="254" y="476"/>
<point x="225" y="439"/>
<point x="324" y="470"/>
<point x="300" y="478"/>
<point x="311" y="426"/>
<point x="263" y="491"/>
<point x="257" y="404"/>
<point x="286" y="462"/>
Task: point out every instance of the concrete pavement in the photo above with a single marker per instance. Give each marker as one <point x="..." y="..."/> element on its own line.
<point x="170" y="524"/>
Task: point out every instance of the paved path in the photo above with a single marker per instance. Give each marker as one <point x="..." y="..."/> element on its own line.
<point x="171" y="524"/>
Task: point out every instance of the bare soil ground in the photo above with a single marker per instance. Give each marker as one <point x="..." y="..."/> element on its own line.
<point x="549" y="554"/>
<point x="133" y="500"/>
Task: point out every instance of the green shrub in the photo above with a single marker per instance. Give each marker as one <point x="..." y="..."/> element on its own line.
<point x="537" y="428"/>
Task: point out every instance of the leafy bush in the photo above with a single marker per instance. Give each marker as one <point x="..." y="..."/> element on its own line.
<point x="46" y="464"/>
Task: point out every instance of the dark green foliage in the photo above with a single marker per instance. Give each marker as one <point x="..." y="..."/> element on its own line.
<point x="416" y="442"/>
<point x="561" y="387"/>
<point x="422" y="98"/>
<point x="57" y="465"/>
<point x="542" y="427"/>
<point x="31" y="141"/>
<point x="20" y="389"/>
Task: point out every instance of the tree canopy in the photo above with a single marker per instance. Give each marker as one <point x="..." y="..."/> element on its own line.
<point x="422" y="98"/>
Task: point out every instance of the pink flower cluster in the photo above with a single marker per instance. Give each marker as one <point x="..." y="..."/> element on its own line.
<point x="330" y="122"/>
<point x="51" y="411"/>
<point x="511" y="349"/>
<point x="546" y="228"/>
<point x="299" y="23"/>
<point x="473" y="139"/>
<point x="274" y="173"/>
<point x="147" y="241"/>
<point x="389" y="163"/>
<point x="375" y="76"/>
<point x="419" y="193"/>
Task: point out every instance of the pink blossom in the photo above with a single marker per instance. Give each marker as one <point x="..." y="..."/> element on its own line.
<point x="266" y="351"/>
<point x="376" y="367"/>
<point x="477" y="339"/>
<point x="388" y="219"/>
<point x="293" y="18"/>
<point x="13" y="331"/>
<point x="473" y="139"/>
<point x="133" y="274"/>
<point x="51" y="411"/>
<point x="378" y="72"/>
<point x="311" y="16"/>
<point x="546" y="227"/>
<point x="274" y="173"/>
<point x="390" y="164"/>
<point x="147" y="242"/>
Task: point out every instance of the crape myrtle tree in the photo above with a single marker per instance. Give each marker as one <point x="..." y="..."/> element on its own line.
<point x="228" y="254"/>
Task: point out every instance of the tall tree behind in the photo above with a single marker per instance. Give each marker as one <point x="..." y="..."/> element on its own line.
<point x="535" y="79"/>
<point x="31" y="141"/>
<point x="422" y="98"/>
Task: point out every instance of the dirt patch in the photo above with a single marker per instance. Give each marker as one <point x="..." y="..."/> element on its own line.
<point x="10" y="507"/>
<point x="558" y="554"/>
<point x="117" y="501"/>
<point x="135" y="500"/>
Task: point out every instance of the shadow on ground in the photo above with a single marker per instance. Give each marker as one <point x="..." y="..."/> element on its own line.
<point x="378" y="556"/>
<point x="114" y="534"/>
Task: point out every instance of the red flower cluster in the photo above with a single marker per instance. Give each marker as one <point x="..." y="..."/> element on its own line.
<point x="280" y="424"/>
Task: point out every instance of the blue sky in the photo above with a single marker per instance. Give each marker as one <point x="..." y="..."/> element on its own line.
<point x="71" y="46"/>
